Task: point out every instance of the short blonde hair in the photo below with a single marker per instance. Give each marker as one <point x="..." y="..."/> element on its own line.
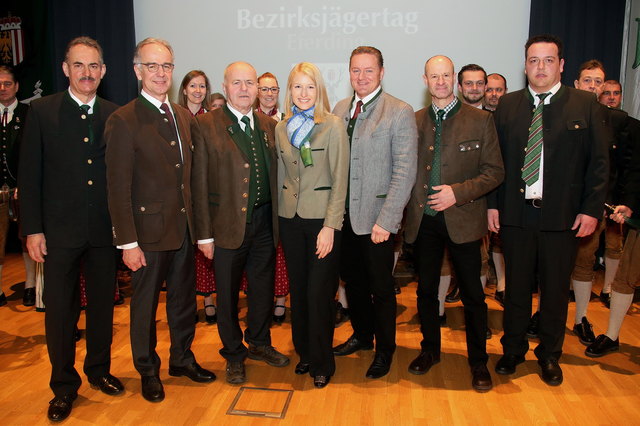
<point x="322" y="100"/>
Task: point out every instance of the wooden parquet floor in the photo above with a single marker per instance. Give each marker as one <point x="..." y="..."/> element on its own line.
<point x="595" y="391"/>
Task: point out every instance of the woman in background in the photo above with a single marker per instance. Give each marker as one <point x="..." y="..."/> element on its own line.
<point x="194" y="95"/>
<point x="313" y="168"/>
<point x="217" y="100"/>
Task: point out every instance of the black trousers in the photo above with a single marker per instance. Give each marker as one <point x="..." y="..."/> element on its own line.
<point x="313" y="285"/>
<point x="257" y="255"/>
<point x="176" y="268"/>
<point x="528" y="250"/>
<point x="432" y="239"/>
<point x="367" y="270"/>
<point x="62" y="301"/>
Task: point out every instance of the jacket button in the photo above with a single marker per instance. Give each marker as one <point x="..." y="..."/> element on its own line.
<point x="246" y="165"/>
<point x="295" y="162"/>
<point x="577" y="126"/>
<point x="142" y="208"/>
<point x="428" y="167"/>
<point x="425" y="186"/>
<point x="183" y="210"/>
<point x="89" y="161"/>
<point x="421" y="206"/>
<point x="244" y="209"/>
<point x="297" y="179"/>
<point x="295" y="195"/>
<point x="245" y="195"/>
<point x="90" y="182"/>
<point x="245" y="180"/>
<point x="521" y="190"/>
<point x="431" y="148"/>
<point x="85" y="139"/>
<point x="178" y="166"/>
<point x="84" y="117"/>
<point x="172" y="143"/>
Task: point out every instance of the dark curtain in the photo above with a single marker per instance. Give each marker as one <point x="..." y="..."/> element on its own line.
<point x="590" y="29"/>
<point x="112" y="24"/>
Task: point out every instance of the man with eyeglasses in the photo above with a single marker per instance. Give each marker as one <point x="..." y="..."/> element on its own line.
<point x="65" y="219"/>
<point x="235" y="208"/>
<point x="149" y="180"/>
<point x="267" y="101"/>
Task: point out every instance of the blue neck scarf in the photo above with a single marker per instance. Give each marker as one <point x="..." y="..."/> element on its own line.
<point x="299" y="129"/>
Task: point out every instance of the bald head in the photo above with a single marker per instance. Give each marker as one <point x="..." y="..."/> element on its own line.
<point x="240" y="86"/>
<point x="439" y="79"/>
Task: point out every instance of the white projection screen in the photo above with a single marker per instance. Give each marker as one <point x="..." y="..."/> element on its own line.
<point x="275" y="35"/>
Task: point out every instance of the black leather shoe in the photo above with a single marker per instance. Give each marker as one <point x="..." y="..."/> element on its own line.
<point x="107" y="384"/>
<point x="236" y="373"/>
<point x="194" y="372"/>
<point x="210" y="319"/>
<point x="453" y="296"/>
<point x="602" y="346"/>
<point x="380" y="366"/>
<point x="584" y="331"/>
<point x="481" y="379"/>
<point x="268" y="354"/>
<point x="351" y="345"/>
<point x="550" y="372"/>
<point x="302" y="368"/>
<point x="29" y="296"/>
<point x="499" y="296"/>
<point x="152" y="389"/>
<point x="279" y="319"/>
<point x="534" y="325"/>
<point x="605" y="298"/>
<point x="3" y="301"/>
<point x="60" y="407"/>
<point x="321" y="381"/>
<point x="423" y="362"/>
<point x="507" y="364"/>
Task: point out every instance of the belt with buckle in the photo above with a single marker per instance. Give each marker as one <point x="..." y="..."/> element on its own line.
<point x="535" y="202"/>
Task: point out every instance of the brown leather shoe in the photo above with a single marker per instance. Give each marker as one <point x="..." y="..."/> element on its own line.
<point x="481" y="379"/>
<point x="423" y="362"/>
<point x="268" y="354"/>
<point x="236" y="373"/>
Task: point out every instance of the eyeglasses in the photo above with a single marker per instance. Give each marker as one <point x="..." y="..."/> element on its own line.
<point x="274" y="90"/>
<point x="154" y="67"/>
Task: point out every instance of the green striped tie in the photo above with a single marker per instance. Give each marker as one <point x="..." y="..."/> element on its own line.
<point x="531" y="168"/>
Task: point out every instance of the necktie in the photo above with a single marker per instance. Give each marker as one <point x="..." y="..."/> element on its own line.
<point x="358" y="110"/>
<point x="531" y="167"/>
<point x="85" y="110"/>
<point x="247" y="125"/>
<point x="169" y="117"/>
<point x="5" y="117"/>
<point x="434" y="179"/>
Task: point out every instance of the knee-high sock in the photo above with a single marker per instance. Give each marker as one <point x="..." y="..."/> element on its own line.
<point x="498" y="261"/>
<point x="443" y="287"/>
<point x="342" y="296"/>
<point x="620" y="304"/>
<point x="582" y="290"/>
<point x="30" y="270"/>
<point x="611" y="267"/>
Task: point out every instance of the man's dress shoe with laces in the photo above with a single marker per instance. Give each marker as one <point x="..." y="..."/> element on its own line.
<point x="423" y="363"/>
<point x="152" y="389"/>
<point x="194" y="372"/>
<point x="268" y="354"/>
<point x="60" y="407"/>
<point x="302" y="368"/>
<point x="350" y="346"/>
<point x="321" y="381"/>
<point x="236" y="373"/>
<point x="602" y="346"/>
<point x="107" y="384"/>
<point x="584" y="331"/>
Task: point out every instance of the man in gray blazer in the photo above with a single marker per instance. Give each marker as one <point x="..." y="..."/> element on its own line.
<point x="383" y="137"/>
